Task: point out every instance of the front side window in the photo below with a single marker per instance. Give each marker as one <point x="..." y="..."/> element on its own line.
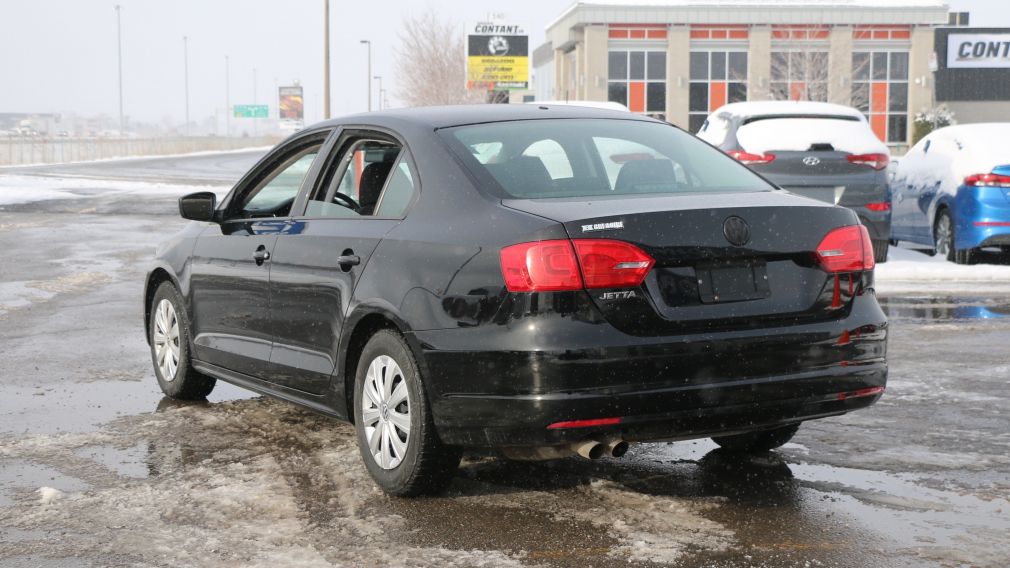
<point x="604" y="157"/>
<point x="274" y="196"/>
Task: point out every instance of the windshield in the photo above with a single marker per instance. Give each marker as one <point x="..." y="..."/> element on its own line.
<point x="538" y="159"/>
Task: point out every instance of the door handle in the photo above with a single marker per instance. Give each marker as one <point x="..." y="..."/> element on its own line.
<point x="261" y="255"/>
<point x="348" y="260"/>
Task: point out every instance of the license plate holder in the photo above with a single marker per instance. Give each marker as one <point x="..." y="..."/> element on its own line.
<point x="736" y="281"/>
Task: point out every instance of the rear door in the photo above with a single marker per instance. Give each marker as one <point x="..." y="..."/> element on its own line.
<point x="231" y="262"/>
<point x="363" y="191"/>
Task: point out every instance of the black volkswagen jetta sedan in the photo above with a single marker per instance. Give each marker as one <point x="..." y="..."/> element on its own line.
<point x="541" y="281"/>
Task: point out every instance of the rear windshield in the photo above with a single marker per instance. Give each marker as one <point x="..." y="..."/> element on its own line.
<point x="539" y="159"/>
<point x="803" y="134"/>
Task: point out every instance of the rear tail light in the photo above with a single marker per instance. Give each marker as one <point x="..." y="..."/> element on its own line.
<point x="879" y="206"/>
<point x="612" y="264"/>
<point x="747" y="158"/>
<point x="846" y="249"/>
<point x="875" y="161"/>
<point x="558" y="265"/>
<point x="544" y="266"/>
<point x="987" y="180"/>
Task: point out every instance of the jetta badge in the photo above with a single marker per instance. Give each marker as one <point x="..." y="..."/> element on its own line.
<point x="811" y="160"/>
<point x="736" y="230"/>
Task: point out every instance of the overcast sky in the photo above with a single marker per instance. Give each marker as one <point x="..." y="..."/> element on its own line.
<point x="60" y="55"/>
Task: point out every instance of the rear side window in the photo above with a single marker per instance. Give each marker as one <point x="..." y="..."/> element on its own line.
<point x="538" y="159"/>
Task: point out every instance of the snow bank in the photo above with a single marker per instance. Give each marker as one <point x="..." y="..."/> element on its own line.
<point x="48" y="495"/>
<point x="263" y="149"/>
<point x="798" y="134"/>
<point x="17" y="189"/>
<point x="912" y="271"/>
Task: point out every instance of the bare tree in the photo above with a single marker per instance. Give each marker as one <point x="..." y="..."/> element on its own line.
<point x="431" y="63"/>
<point x="800" y="75"/>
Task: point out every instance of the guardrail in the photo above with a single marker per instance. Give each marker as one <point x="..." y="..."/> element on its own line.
<point x="36" y="150"/>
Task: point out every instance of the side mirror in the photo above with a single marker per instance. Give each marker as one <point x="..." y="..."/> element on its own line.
<point x="199" y="206"/>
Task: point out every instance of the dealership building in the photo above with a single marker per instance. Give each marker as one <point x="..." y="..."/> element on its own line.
<point x="681" y="59"/>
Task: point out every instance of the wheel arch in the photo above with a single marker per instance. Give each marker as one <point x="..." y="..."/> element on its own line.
<point x="365" y="321"/>
<point x="155" y="278"/>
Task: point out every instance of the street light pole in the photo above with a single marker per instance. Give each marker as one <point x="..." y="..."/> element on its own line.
<point x="369" y="42"/>
<point x="326" y="59"/>
<point x="185" y="58"/>
<point x="227" y="96"/>
<point x="379" y="79"/>
<point x="119" y="42"/>
<point x="254" y="120"/>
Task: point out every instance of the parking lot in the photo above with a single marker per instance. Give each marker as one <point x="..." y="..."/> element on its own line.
<point x="97" y="469"/>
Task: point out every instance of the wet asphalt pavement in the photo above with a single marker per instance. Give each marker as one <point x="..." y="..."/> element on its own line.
<point x="97" y="469"/>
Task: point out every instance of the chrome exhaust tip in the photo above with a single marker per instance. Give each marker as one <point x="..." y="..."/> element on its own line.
<point x="616" y="448"/>
<point x="590" y="449"/>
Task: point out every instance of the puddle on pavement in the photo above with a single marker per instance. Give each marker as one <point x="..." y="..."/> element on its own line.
<point x="83" y="406"/>
<point x="20" y="476"/>
<point x="259" y="463"/>
<point x="944" y="309"/>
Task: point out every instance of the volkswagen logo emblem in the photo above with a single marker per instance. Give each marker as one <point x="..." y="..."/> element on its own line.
<point x="811" y="160"/>
<point x="736" y="230"/>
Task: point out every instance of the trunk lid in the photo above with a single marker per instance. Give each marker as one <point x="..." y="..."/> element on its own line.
<point x="701" y="280"/>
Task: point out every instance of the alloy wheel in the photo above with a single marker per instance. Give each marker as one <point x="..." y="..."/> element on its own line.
<point x="166" y="340"/>
<point x="385" y="412"/>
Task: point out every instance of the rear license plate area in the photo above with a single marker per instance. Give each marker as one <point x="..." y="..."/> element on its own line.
<point x="737" y="281"/>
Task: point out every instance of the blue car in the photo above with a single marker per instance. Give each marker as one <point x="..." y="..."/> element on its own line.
<point x="951" y="192"/>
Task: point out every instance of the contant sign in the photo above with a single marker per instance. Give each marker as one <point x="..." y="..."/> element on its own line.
<point x="978" y="51"/>
<point x="497" y="56"/>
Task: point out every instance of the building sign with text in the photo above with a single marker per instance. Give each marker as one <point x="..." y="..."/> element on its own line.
<point x="978" y="51"/>
<point x="497" y="56"/>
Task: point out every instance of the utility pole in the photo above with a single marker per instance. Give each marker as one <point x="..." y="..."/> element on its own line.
<point x="119" y="42"/>
<point x="379" y="79"/>
<point x="369" y="42"/>
<point x="227" y="97"/>
<point x="185" y="59"/>
<point x="326" y="59"/>
<point x="254" y="120"/>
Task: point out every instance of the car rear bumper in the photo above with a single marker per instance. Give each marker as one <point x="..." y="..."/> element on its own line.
<point x="981" y="217"/>
<point x="658" y="388"/>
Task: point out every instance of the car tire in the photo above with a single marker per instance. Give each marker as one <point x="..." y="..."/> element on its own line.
<point x="422" y="464"/>
<point x="943" y="235"/>
<point x="169" y="336"/>
<point x="880" y="251"/>
<point x="967" y="256"/>
<point x="760" y="441"/>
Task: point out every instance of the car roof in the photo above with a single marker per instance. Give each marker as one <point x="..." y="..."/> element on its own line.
<point x="982" y="130"/>
<point x="447" y="116"/>
<point x="772" y="108"/>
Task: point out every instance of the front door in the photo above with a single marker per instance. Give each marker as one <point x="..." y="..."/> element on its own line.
<point x="363" y="192"/>
<point x="230" y="270"/>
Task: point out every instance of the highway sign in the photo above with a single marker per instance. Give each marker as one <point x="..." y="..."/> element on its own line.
<point x="251" y="111"/>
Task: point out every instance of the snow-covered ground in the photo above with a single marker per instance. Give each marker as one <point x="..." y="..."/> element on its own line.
<point x="909" y="271"/>
<point x="16" y="189"/>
